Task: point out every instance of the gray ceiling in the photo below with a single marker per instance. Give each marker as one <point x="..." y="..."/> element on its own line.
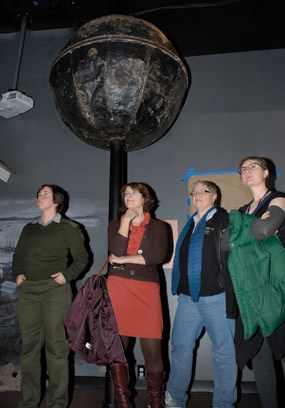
<point x="195" y="27"/>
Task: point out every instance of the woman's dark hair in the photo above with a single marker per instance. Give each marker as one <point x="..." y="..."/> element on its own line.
<point x="143" y="189"/>
<point x="266" y="164"/>
<point x="59" y="196"/>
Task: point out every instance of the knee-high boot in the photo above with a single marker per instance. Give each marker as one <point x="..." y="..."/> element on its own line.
<point x="121" y="379"/>
<point x="155" y="389"/>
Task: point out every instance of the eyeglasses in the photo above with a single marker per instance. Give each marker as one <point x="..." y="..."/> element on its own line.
<point x="129" y="193"/>
<point x="250" y="167"/>
<point x="199" y="192"/>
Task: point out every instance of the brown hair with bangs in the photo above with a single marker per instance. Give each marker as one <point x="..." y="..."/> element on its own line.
<point x="143" y="189"/>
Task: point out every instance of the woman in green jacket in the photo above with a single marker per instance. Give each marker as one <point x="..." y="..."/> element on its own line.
<point x="268" y="205"/>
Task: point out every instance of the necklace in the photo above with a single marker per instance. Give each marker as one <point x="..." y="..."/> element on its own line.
<point x="258" y="204"/>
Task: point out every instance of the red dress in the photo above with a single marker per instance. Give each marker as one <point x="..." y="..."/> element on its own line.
<point x="136" y="304"/>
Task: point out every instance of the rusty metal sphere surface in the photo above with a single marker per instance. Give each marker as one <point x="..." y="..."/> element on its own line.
<point x="119" y="78"/>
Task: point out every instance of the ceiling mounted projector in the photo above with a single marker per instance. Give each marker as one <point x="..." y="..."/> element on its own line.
<point x="14" y="103"/>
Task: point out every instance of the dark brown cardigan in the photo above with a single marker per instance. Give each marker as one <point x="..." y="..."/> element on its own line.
<point x="153" y="248"/>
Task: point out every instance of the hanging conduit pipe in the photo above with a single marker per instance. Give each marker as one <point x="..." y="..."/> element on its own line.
<point x="20" y="51"/>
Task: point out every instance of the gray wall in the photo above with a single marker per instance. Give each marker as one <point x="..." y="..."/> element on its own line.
<point x="235" y="107"/>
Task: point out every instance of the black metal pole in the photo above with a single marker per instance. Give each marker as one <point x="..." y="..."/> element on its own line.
<point x="118" y="177"/>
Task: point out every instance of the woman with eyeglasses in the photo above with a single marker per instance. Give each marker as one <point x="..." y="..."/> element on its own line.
<point x="267" y="206"/>
<point x="198" y="278"/>
<point x="138" y="245"/>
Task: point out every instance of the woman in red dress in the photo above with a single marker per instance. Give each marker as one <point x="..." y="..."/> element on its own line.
<point x="137" y="245"/>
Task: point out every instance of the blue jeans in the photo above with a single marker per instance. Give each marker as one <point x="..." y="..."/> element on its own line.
<point x="190" y="318"/>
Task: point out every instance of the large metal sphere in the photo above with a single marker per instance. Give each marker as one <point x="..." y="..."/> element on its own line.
<point x="119" y="78"/>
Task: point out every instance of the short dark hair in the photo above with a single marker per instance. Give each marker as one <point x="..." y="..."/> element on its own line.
<point x="266" y="164"/>
<point x="59" y="196"/>
<point x="145" y="192"/>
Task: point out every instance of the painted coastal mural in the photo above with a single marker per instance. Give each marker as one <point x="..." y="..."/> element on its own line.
<point x="14" y="215"/>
